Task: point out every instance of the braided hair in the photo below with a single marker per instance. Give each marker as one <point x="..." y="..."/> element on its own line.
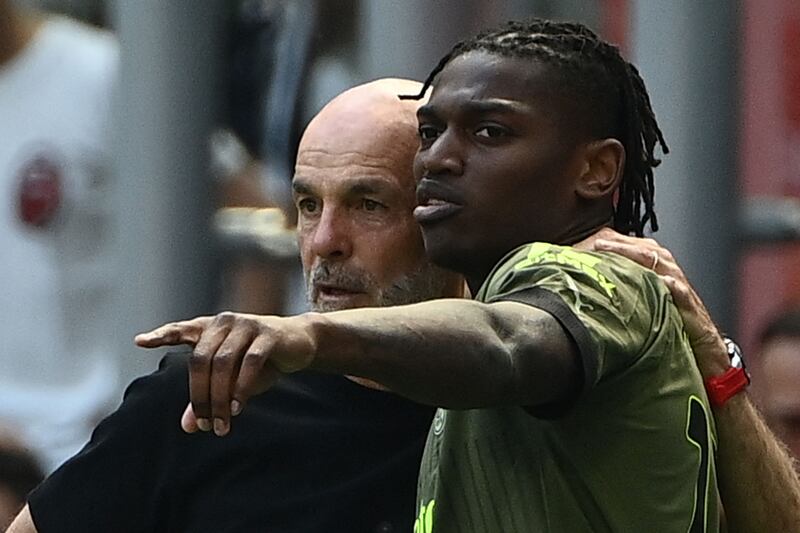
<point x="601" y="85"/>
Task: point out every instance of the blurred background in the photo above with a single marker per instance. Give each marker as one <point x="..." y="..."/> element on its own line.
<point x="145" y="166"/>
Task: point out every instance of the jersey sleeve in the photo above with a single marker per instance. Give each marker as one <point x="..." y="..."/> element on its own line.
<point x="600" y="301"/>
<point x="114" y="482"/>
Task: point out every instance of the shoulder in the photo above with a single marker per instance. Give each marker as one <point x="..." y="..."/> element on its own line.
<point x="90" y="42"/>
<point x="160" y="394"/>
<point x="89" y="55"/>
<point x="89" y="492"/>
<point x="551" y="267"/>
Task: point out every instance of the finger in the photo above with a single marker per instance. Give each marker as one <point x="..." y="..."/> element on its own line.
<point x="684" y="298"/>
<point x="680" y="292"/>
<point x="185" y="332"/>
<point x="588" y="243"/>
<point x="256" y="374"/>
<point x="224" y="371"/>
<point x="634" y="252"/>
<point x="609" y="235"/>
<point x="200" y="372"/>
<point x="643" y="252"/>
<point x="188" y="420"/>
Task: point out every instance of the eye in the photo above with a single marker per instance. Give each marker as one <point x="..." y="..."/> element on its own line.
<point x="491" y="132"/>
<point x="307" y="205"/>
<point x="370" y="205"/>
<point x="428" y="132"/>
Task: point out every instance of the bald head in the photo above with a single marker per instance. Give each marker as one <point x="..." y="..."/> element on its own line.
<point x="367" y="124"/>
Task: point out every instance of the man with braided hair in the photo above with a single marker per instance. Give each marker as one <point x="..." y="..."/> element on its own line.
<point x="625" y="442"/>
<point x="570" y="399"/>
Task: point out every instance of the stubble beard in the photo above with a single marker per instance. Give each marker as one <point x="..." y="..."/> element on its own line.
<point x="426" y="282"/>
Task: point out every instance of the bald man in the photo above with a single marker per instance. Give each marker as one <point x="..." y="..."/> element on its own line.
<point x="318" y="453"/>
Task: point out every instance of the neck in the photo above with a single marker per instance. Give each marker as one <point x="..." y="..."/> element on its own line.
<point x="587" y="219"/>
<point x="581" y="234"/>
<point x="16" y="31"/>
<point x="573" y="234"/>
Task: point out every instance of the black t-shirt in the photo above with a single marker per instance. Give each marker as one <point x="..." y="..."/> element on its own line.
<point x="316" y="453"/>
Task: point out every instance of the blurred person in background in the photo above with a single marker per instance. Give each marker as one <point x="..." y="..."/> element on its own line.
<point x="58" y="372"/>
<point x="261" y="271"/>
<point x="19" y="474"/>
<point x="776" y="386"/>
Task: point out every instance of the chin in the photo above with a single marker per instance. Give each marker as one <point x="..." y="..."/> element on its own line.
<point x="445" y="253"/>
<point x="469" y="259"/>
<point x="326" y="305"/>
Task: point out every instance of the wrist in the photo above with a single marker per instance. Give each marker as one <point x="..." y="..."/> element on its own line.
<point x="712" y="358"/>
<point x="296" y="347"/>
<point x="322" y="338"/>
<point x="733" y="380"/>
<point x="735" y="404"/>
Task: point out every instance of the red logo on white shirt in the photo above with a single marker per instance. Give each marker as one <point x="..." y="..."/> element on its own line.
<point x="39" y="192"/>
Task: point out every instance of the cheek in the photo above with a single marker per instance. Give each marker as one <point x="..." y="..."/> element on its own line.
<point x="394" y="251"/>
<point x="417" y="168"/>
<point x="528" y="191"/>
<point x="306" y="253"/>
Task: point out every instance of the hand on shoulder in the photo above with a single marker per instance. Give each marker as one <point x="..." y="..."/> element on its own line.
<point x="707" y="344"/>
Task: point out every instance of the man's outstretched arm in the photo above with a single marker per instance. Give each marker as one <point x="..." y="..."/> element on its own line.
<point x="451" y="353"/>
<point x="758" y="483"/>
<point x="23" y="523"/>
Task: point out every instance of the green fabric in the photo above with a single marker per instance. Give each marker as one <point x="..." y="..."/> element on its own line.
<point x="627" y="456"/>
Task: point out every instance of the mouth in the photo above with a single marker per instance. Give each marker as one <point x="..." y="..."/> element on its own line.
<point x="435" y="202"/>
<point x="333" y="292"/>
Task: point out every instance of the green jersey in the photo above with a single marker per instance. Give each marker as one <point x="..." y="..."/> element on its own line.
<point x="634" y="452"/>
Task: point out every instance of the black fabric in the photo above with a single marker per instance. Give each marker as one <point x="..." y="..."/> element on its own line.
<point x="317" y="453"/>
<point x="548" y="301"/>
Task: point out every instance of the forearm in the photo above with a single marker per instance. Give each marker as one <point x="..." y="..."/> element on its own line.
<point x="758" y="483"/>
<point x="23" y="523"/>
<point x="450" y="353"/>
<point x="759" y="486"/>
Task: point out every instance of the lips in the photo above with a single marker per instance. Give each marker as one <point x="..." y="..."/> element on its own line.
<point x="333" y="291"/>
<point x="324" y="298"/>
<point x="435" y="202"/>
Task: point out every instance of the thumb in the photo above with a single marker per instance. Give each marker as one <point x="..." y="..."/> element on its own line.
<point x="189" y="420"/>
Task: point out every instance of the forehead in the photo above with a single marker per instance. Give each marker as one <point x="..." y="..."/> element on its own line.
<point x="323" y="174"/>
<point x="480" y="76"/>
<point x="336" y="164"/>
<point x="345" y="148"/>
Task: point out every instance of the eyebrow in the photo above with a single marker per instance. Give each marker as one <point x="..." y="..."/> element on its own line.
<point x="360" y="186"/>
<point x="492" y="105"/>
<point x="300" y="188"/>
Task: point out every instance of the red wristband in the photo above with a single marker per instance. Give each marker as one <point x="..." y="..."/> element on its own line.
<point x="722" y="388"/>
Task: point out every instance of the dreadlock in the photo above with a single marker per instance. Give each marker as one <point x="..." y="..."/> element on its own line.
<point x="591" y="72"/>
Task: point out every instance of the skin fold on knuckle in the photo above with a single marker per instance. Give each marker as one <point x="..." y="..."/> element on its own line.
<point x="223" y="321"/>
<point x="198" y="360"/>
<point x="223" y="361"/>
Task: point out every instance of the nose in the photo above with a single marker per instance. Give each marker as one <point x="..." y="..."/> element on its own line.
<point x="331" y="237"/>
<point x="443" y="156"/>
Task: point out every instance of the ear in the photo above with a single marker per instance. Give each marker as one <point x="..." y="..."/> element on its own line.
<point x="603" y="163"/>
